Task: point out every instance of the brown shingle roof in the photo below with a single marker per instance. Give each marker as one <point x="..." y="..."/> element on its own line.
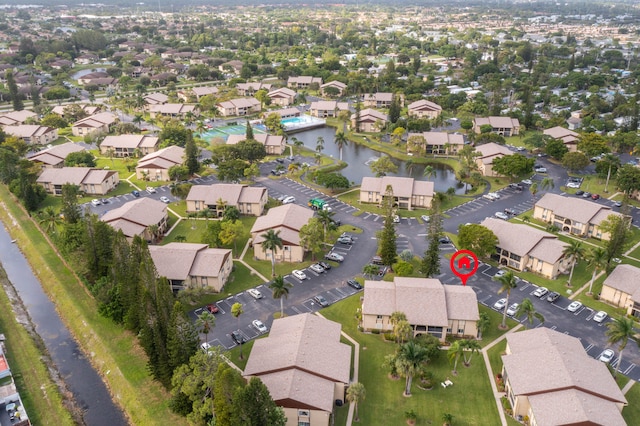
<point x="179" y="261"/>
<point x="130" y="141"/>
<point x="231" y="193"/>
<point x="625" y="278"/>
<point x="138" y="214"/>
<point x="402" y="186"/>
<point x="56" y="154"/>
<point x="164" y="158"/>
<point x="576" y="209"/>
<point x="290" y="216"/>
<point x="572" y="407"/>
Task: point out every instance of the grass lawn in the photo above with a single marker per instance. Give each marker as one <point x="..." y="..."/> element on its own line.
<point x="631" y="412"/>
<point x="111" y="349"/>
<point x="470" y="399"/>
<point x="493" y="331"/>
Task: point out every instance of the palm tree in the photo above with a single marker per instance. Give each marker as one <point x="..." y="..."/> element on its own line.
<point x="620" y="330"/>
<point x="319" y="144"/>
<point x="483" y="323"/>
<point x="341" y="140"/>
<point x="410" y="358"/>
<point x="272" y="241"/>
<point x="574" y="251"/>
<point x="296" y="142"/>
<point x="527" y="308"/>
<point x="471" y="346"/>
<point x="597" y="258"/>
<point x="508" y="281"/>
<point x="236" y="311"/>
<point x="533" y="189"/>
<point x="402" y="331"/>
<point x="546" y="183"/>
<point x="154" y="231"/>
<point x="200" y="128"/>
<point x="49" y="220"/>
<point x="205" y="322"/>
<point x="137" y="119"/>
<point x="356" y="393"/>
<point x="429" y="172"/>
<point x="456" y="350"/>
<point x="447" y="418"/>
<point x="280" y="289"/>
<point x="370" y="270"/>
<point x="325" y="217"/>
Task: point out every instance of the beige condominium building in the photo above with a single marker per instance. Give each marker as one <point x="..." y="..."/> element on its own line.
<point x="408" y="193"/>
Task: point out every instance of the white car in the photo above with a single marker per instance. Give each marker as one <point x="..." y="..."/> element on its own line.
<point x="299" y="274"/>
<point x="500" y="304"/>
<point x="95" y="202"/>
<point x="335" y="257"/>
<point x="490" y="196"/>
<point x="259" y="325"/>
<point x="254" y="293"/>
<point x="316" y="268"/>
<point x="151" y="190"/>
<point x="527" y="181"/>
<point x="500" y="273"/>
<point x="574" y="185"/>
<point x="541" y="291"/>
<point x="501" y="215"/>
<point x="425" y="218"/>
<point x="205" y="346"/>
<point x="513" y="308"/>
<point x="599" y="316"/>
<point x="540" y="169"/>
<point x="288" y="200"/>
<point x="495" y="195"/>
<point x="606" y="355"/>
<point x="165" y="200"/>
<point x="396" y="218"/>
<point x="574" y="306"/>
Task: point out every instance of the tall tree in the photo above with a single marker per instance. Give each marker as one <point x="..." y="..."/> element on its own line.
<point x="483" y="324"/>
<point x="253" y="406"/>
<point x="526" y="308"/>
<point x="249" y="132"/>
<point x="191" y="154"/>
<point x="597" y="259"/>
<point x="280" y="289"/>
<point x="383" y="165"/>
<point x="312" y="237"/>
<point x="272" y="242"/>
<point x="70" y="209"/>
<point x="16" y="98"/>
<point x="628" y="179"/>
<point x="193" y="385"/>
<point x="228" y="382"/>
<point x="341" y="140"/>
<point x="507" y="283"/>
<point x="430" y="264"/>
<point x="236" y="311"/>
<point x="574" y="251"/>
<point x="619" y="233"/>
<point x="471" y="346"/>
<point x="455" y="352"/>
<point x="410" y="359"/>
<point x="182" y="338"/>
<point x="205" y="323"/>
<point x="387" y="247"/>
<point x="319" y="144"/>
<point x="619" y="332"/>
<point x="356" y="394"/>
<point x="477" y="238"/>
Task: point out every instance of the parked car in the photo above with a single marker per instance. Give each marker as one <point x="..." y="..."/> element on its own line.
<point x="527" y="181"/>
<point x="213" y="308"/>
<point x="425" y="218"/>
<point x="345" y="240"/>
<point x="135" y="193"/>
<point x="288" y="200"/>
<point x="335" y="257"/>
<point x="512" y="212"/>
<point x="574" y="306"/>
<point x="205" y="346"/>
<point x="237" y="337"/>
<point x="501" y="215"/>
<point x="491" y="196"/>
<point x="254" y="293"/>
<point x="355" y="284"/>
<point x="553" y="296"/>
<point x="396" y="218"/>
<point x="104" y="201"/>
<point x="325" y="265"/>
<point x="95" y="202"/>
<point x="321" y="301"/>
<point x="606" y="356"/>
<point x="600" y="316"/>
<point x="299" y="274"/>
<point x="316" y="268"/>
<point x="540" y="169"/>
<point x="500" y="273"/>
<point x="586" y="195"/>
<point x="580" y="193"/>
<point x="516" y="186"/>
<point x="618" y="204"/>
<point x="151" y="190"/>
<point x="540" y="292"/>
<point x="512" y="309"/>
<point x="595" y="197"/>
<point x="444" y="240"/>
<point x="573" y="185"/>
<point x="165" y="200"/>
<point x="259" y="325"/>
<point x="500" y="304"/>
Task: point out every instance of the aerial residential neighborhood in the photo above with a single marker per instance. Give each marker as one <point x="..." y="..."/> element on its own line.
<point x="320" y="214"/>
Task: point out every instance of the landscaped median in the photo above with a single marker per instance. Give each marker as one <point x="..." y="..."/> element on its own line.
<point x="114" y="353"/>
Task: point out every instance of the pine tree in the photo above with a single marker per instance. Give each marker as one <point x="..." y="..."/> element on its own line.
<point x="253" y="406"/>
<point x="182" y="339"/>
<point x="249" y="132"/>
<point x="387" y="237"/>
<point x="18" y="105"/>
<point x="191" y="154"/>
<point x="430" y="265"/>
<point x="228" y="381"/>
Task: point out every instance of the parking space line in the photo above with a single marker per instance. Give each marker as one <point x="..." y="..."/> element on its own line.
<point x="626" y="372"/>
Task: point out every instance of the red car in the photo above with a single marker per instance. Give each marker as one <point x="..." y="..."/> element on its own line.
<point x="212" y="308"/>
<point x="595" y="197"/>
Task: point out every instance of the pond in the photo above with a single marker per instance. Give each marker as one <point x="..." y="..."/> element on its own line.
<point x="359" y="157"/>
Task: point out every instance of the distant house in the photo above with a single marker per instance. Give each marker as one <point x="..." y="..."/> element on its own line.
<point x="274" y="144"/>
<point x="568" y="137"/>
<point x="305" y="367"/>
<point x="437" y="142"/>
<point x="91" y="181"/>
<point x="192" y="266"/>
<point x="100" y="122"/>
<point x="574" y="389"/>
<point x="180" y="111"/>
<point x="381" y="99"/>
<point x="335" y="84"/>
<point x="575" y="121"/>
<point x="249" y="200"/>
<point x="54" y="157"/>
<point x="137" y="217"/>
<point x="199" y="92"/>
<point x="622" y="289"/>
<point x="88" y="109"/>
<point x="15" y="118"/>
<point x="129" y="145"/>
<point x="488" y="153"/>
<point x="430" y="307"/>
<point x="33" y="134"/>
<point x="287" y="220"/>
<point x="505" y="126"/>
<point x="408" y="193"/>
<point x="282" y="96"/>
<point x="232" y="66"/>
<point x="155" y="166"/>
<point x="574" y="215"/>
<point x="240" y="106"/>
<point x="250" y="89"/>
<point x="88" y="78"/>
<point x="525" y="248"/>
<point x="369" y="121"/>
<point x="424" y="109"/>
<point x="285" y="112"/>
<point x="303" y="82"/>
<point x="156" y="99"/>
<point x="324" y="109"/>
